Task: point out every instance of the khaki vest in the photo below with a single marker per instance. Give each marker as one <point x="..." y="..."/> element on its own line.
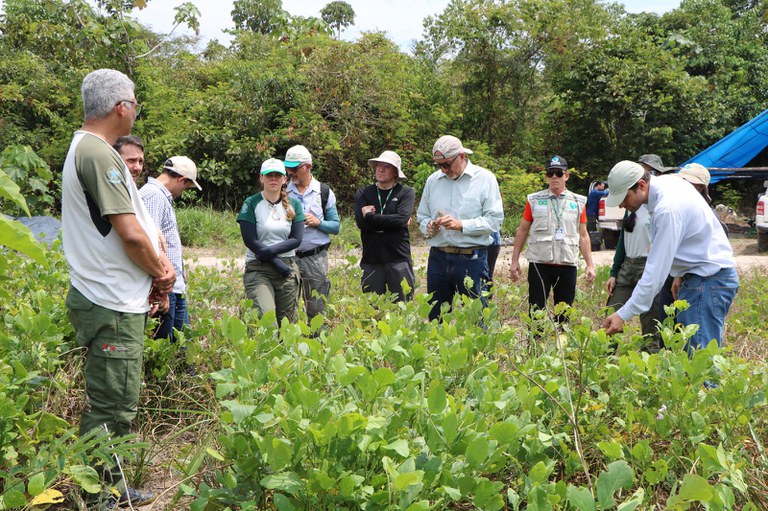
<point x="542" y="246"/>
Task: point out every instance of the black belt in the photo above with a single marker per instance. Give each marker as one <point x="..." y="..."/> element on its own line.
<point x="313" y="251"/>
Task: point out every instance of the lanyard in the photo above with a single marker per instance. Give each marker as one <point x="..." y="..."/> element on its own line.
<point x="557" y="209"/>
<point x="378" y="195"/>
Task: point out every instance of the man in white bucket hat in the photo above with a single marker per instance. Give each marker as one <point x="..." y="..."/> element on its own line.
<point x="382" y="213"/>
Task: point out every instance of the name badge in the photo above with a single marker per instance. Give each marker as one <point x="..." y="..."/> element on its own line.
<point x="559" y="234"/>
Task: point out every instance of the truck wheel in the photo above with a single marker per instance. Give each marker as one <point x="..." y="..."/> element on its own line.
<point x="762" y="241"/>
<point x="611" y="239"/>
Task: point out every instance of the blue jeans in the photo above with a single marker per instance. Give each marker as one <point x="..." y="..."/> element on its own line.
<point x="176" y="318"/>
<point x="446" y="274"/>
<point x="709" y="299"/>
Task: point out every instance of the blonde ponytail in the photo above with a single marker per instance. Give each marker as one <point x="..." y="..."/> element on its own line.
<point x="290" y="214"/>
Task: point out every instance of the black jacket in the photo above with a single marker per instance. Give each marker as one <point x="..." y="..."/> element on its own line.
<point x="385" y="233"/>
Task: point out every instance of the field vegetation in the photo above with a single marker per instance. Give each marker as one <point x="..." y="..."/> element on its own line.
<point x="379" y="408"/>
<point x="373" y="407"/>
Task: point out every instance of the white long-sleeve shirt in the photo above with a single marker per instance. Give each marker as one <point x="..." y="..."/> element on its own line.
<point x="686" y="237"/>
<point x="473" y="198"/>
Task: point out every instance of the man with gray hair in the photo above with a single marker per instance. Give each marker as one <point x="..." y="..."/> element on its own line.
<point x="117" y="273"/>
<point x="460" y="210"/>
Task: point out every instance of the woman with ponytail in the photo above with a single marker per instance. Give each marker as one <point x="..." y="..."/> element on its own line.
<point x="272" y="226"/>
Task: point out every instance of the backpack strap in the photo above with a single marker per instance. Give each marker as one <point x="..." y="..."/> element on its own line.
<point x="325" y="191"/>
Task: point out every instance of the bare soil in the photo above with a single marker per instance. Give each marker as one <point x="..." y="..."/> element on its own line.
<point x="744" y="249"/>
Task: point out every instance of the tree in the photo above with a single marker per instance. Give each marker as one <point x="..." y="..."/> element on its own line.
<point x="338" y="15"/>
<point x="261" y="16"/>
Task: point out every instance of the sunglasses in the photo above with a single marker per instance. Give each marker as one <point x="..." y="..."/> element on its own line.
<point x="447" y="164"/>
<point x="555" y="172"/>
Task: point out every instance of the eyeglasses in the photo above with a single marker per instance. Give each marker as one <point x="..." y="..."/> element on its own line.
<point x="136" y="105"/>
<point x="555" y="172"/>
<point x="447" y="164"/>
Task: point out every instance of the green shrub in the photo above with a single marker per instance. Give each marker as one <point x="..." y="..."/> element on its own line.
<point x="206" y="228"/>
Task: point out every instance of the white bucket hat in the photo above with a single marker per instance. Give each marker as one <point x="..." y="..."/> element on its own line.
<point x="390" y="157"/>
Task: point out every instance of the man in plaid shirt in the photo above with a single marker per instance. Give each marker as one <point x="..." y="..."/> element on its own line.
<point x="179" y="173"/>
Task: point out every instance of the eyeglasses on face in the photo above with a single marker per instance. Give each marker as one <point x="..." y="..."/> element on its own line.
<point x="136" y="105"/>
<point x="555" y="172"/>
<point x="446" y="164"/>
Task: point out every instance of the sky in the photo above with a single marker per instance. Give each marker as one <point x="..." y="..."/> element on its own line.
<point x="400" y="19"/>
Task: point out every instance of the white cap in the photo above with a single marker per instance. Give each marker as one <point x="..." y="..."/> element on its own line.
<point x="448" y="146"/>
<point x="296" y="156"/>
<point x="272" y="165"/>
<point x="621" y="178"/>
<point x="696" y="174"/>
<point x="183" y="166"/>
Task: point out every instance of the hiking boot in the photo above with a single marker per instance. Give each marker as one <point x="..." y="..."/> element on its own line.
<point x="131" y="497"/>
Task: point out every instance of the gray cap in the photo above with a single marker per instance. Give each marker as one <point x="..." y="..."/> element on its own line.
<point x="653" y="161"/>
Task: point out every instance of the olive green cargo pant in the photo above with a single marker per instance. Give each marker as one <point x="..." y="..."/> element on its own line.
<point x="114" y="342"/>
<point x="270" y="291"/>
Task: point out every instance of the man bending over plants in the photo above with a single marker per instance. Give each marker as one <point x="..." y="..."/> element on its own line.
<point x="687" y="242"/>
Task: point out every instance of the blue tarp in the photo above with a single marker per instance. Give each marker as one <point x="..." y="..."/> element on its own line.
<point x="736" y="149"/>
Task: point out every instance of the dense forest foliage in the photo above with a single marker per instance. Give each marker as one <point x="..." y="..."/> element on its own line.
<point x="517" y="81"/>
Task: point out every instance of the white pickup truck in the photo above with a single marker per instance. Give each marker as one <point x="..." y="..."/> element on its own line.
<point x="761" y="220"/>
<point x="610" y="219"/>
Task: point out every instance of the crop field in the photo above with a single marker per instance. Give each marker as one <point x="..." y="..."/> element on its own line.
<point x="380" y="409"/>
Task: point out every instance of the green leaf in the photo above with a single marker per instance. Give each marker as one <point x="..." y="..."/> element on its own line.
<point x="611" y="449"/>
<point x="537" y="500"/>
<point x="279" y="453"/>
<point x="488" y="495"/>
<point x="453" y="493"/>
<point x="348" y="484"/>
<point x="450" y="426"/>
<point x="17" y="236"/>
<point x="458" y="359"/>
<point x="283" y="503"/>
<point x="288" y="482"/>
<point x="436" y="399"/>
<point x="477" y="452"/>
<point x="11" y="191"/>
<point x="12" y="499"/>
<point x="384" y="376"/>
<point x="617" y="475"/>
<point x="36" y="484"/>
<point x="240" y="411"/>
<point x="695" y="489"/>
<point x="634" y="501"/>
<point x="504" y="432"/>
<point x="540" y="472"/>
<point x="399" y="446"/>
<point x="86" y="477"/>
<point x="580" y="498"/>
<point x="403" y="481"/>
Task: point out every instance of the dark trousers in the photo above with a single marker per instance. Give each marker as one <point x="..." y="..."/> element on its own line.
<point x="176" y="318"/>
<point x="493" y="254"/>
<point x="446" y="274"/>
<point x="382" y="277"/>
<point x="543" y="278"/>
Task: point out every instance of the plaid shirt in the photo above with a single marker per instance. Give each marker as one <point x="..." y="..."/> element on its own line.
<point x="159" y="202"/>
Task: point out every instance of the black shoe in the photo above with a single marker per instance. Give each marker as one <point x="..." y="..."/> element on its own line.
<point x="132" y="497"/>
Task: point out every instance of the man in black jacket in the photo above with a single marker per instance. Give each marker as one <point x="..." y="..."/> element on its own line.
<point x="383" y="212"/>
